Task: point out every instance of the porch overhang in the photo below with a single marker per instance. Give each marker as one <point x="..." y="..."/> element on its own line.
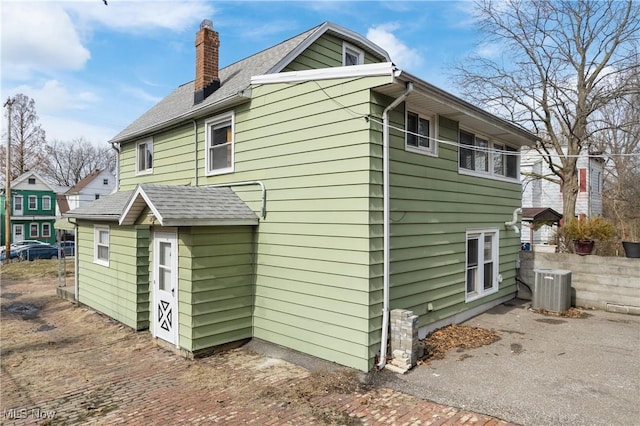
<point x="172" y="205"/>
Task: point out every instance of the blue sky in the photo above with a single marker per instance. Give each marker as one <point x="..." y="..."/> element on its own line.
<point x="93" y="69"/>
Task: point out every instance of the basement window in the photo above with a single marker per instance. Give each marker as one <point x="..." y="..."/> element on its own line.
<point x="482" y="263"/>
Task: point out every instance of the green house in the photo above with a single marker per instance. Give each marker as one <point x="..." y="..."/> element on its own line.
<point x="33" y="210"/>
<point x="299" y="195"/>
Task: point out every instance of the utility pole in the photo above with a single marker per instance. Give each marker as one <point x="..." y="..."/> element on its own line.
<point x="7" y="198"/>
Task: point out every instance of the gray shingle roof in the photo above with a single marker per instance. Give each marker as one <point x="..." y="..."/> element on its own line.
<point x="188" y="206"/>
<point x="108" y="207"/>
<point x="233" y="80"/>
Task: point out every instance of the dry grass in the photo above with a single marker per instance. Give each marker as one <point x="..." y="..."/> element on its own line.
<point x="41" y="268"/>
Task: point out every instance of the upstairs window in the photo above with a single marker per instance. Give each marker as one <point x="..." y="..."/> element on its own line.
<point x="17" y="205"/>
<point x="144" y="156"/>
<point x="46" y="203"/>
<point x="105" y="181"/>
<point x="419" y="133"/>
<point x="480" y="156"/>
<point x="219" y="154"/>
<point x="351" y="55"/>
<point x="33" y="202"/>
<point x="32" y="181"/>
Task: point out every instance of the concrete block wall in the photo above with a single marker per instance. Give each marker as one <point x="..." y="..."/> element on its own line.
<point x="606" y="283"/>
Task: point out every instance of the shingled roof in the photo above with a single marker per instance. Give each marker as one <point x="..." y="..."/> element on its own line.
<point x="109" y="207"/>
<point x="235" y="80"/>
<point x="174" y="205"/>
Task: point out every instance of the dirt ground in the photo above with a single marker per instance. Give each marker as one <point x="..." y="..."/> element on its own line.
<point x="67" y="364"/>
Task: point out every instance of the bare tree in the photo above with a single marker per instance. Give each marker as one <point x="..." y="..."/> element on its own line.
<point x="562" y="62"/>
<point x="27" y="138"/>
<point x="71" y="161"/>
<point x="620" y="136"/>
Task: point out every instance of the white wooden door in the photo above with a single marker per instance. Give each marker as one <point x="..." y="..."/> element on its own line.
<point x="18" y="233"/>
<point x="165" y="286"/>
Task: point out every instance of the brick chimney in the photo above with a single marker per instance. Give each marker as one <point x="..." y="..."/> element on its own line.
<point x="207" y="45"/>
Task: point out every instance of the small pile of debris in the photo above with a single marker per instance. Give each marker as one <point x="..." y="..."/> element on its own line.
<point x="443" y="339"/>
<point x="569" y="313"/>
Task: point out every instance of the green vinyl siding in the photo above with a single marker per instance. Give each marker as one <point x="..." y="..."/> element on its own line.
<point x="120" y="290"/>
<point x="326" y="52"/>
<point x="216" y="285"/>
<point x="432" y="207"/>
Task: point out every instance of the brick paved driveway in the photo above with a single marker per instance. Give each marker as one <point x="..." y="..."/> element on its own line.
<point x="64" y="364"/>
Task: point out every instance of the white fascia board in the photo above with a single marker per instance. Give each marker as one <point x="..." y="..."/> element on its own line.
<point x="368" y="70"/>
<point x="138" y="196"/>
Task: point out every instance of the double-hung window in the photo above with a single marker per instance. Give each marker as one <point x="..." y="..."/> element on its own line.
<point x="419" y="133"/>
<point x="33" y="202"/>
<point x="17" y="205"/>
<point x="219" y="155"/>
<point x="144" y="156"/>
<point x="46" y="230"/>
<point x="351" y="55"/>
<point x="101" y="245"/>
<point x="33" y="230"/>
<point x="482" y="263"/>
<point x="46" y="203"/>
<point x="481" y="156"/>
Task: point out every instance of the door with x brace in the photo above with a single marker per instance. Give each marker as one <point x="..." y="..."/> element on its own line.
<point x="165" y="286"/>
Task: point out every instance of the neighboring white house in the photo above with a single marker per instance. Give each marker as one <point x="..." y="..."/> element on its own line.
<point x="538" y="192"/>
<point x="95" y="185"/>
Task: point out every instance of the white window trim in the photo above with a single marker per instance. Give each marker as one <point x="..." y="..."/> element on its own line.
<point x="433" y="134"/>
<point x="497" y="277"/>
<point x="29" y="199"/>
<point x="20" y="204"/>
<point x="37" y="226"/>
<point x="354" y="50"/>
<point x="147" y="170"/>
<point x="48" y="227"/>
<point x="490" y="174"/>
<point x="48" y="200"/>
<point x="229" y="116"/>
<point x="96" y="239"/>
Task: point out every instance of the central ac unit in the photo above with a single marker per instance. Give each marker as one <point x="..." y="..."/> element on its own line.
<point x="552" y="290"/>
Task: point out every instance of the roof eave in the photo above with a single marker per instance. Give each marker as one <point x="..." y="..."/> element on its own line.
<point x="230" y="101"/>
<point x="526" y="137"/>
<point x="210" y="222"/>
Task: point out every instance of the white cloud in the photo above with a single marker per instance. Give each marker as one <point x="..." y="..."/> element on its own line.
<point x="39" y="36"/>
<point x="401" y="54"/>
<point x="54" y="97"/>
<point x="489" y="50"/>
<point x="68" y="128"/>
<point x="138" y="16"/>
<point x="143" y="95"/>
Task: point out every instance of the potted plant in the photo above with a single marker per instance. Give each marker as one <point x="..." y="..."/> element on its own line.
<point x="631" y="238"/>
<point x="584" y="232"/>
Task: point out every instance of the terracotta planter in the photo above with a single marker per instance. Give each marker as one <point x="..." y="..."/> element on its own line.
<point x="631" y="249"/>
<point x="583" y="247"/>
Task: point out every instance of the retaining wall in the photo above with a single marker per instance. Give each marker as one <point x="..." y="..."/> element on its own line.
<point x="606" y="283"/>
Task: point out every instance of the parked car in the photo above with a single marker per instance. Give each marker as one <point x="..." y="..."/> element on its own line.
<point x="39" y="251"/>
<point x="69" y="247"/>
<point x="17" y="247"/>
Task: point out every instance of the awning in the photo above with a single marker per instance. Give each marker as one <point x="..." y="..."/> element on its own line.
<point x="63" y="224"/>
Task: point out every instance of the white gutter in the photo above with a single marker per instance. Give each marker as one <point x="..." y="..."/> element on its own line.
<point x="386" y="222"/>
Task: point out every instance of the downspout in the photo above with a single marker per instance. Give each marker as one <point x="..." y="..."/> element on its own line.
<point x="514" y="221"/>
<point x="117" y="150"/>
<point x="76" y="264"/>
<point x="263" y="207"/>
<point x="195" y="151"/>
<point x="386" y="222"/>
